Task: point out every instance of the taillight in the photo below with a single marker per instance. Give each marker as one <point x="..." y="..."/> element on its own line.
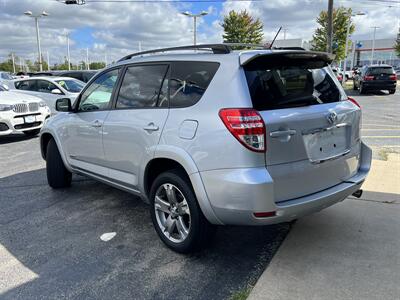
<point x="368" y="77"/>
<point x="393" y="77"/>
<point x="354" y="101"/>
<point x="246" y="125"/>
<point x="340" y="77"/>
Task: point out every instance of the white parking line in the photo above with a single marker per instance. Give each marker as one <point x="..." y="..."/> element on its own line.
<point x="381" y="136"/>
<point x="383" y="125"/>
<point x="380" y="129"/>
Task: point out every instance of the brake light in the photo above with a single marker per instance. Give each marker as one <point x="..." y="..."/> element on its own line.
<point x="340" y="77"/>
<point x="393" y="77"/>
<point x="368" y="77"/>
<point x="354" y="101"/>
<point x="246" y="125"/>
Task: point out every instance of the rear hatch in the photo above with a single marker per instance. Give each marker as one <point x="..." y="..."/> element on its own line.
<point x="381" y="74"/>
<point x="312" y="131"/>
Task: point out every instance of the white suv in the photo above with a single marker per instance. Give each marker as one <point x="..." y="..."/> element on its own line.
<point x="214" y="137"/>
<point x="21" y="113"/>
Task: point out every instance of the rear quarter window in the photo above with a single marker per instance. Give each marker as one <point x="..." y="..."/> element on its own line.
<point x="189" y="81"/>
<point x="292" y="83"/>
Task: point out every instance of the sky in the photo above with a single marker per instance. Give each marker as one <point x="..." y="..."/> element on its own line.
<point x="112" y="30"/>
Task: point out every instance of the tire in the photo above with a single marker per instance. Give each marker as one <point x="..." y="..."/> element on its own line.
<point x="362" y="90"/>
<point x="189" y="230"/>
<point x="392" y="92"/>
<point x="33" y="132"/>
<point x="57" y="175"/>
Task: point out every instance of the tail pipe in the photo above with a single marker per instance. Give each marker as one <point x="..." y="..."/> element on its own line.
<point x="358" y="193"/>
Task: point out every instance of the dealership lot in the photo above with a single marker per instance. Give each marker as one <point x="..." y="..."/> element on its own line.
<point x="50" y="242"/>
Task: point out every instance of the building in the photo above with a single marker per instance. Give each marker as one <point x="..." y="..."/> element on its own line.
<point x="384" y="53"/>
<point x="292" y="43"/>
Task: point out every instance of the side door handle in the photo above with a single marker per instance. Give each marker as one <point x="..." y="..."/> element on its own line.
<point x="282" y="133"/>
<point x="151" y="127"/>
<point x="96" y="123"/>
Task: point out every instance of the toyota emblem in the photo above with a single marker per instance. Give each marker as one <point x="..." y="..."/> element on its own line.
<point x="332" y="117"/>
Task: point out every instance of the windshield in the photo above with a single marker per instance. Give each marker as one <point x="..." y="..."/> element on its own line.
<point x="292" y="84"/>
<point x="71" y="85"/>
<point x="6" y="76"/>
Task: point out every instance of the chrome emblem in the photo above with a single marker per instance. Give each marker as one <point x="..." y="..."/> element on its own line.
<point x="332" y="117"/>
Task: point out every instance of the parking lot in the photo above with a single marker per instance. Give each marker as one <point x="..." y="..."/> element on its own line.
<point x="50" y="242"/>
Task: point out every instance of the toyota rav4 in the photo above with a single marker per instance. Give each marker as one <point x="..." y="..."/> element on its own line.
<point x="213" y="137"/>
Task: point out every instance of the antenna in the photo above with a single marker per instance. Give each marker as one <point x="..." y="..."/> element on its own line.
<point x="276" y="35"/>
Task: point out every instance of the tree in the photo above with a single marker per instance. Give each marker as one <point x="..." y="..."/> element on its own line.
<point x="97" y="65"/>
<point x="397" y="45"/>
<point x="240" y="27"/>
<point x="341" y="18"/>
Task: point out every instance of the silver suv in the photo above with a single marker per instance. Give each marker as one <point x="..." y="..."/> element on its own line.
<point x="213" y="137"/>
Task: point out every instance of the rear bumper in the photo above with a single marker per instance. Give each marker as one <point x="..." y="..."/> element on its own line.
<point x="235" y="194"/>
<point x="371" y="85"/>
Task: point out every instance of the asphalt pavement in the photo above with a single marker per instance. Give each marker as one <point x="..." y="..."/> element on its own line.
<point x="381" y="121"/>
<point x="50" y="246"/>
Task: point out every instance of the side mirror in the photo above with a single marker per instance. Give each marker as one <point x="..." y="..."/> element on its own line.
<point x="63" y="104"/>
<point x="56" y="91"/>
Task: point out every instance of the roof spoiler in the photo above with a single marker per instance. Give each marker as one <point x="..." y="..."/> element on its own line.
<point x="249" y="56"/>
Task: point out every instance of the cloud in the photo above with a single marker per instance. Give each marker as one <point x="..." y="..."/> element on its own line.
<point x="116" y="29"/>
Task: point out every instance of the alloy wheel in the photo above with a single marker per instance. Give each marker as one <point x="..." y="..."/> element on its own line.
<point x="172" y="213"/>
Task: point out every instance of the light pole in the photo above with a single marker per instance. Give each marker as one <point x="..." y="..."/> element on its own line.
<point x="194" y="16"/>
<point x="36" y="17"/>
<point x="68" y="53"/>
<point x="373" y="44"/>
<point x="347" y="42"/>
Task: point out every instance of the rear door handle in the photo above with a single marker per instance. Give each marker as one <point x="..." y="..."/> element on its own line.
<point x="96" y="123"/>
<point x="282" y="133"/>
<point x="151" y="127"/>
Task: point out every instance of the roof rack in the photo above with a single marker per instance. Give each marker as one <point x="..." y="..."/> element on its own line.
<point x="215" y="48"/>
<point x="223" y="48"/>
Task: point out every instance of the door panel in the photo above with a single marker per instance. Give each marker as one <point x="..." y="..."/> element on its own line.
<point x="133" y="129"/>
<point x="84" y="141"/>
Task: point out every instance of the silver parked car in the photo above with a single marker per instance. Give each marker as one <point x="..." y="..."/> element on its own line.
<point x="49" y="89"/>
<point x="254" y="137"/>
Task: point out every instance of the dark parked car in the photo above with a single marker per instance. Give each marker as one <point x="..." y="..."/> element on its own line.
<point x="374" y="78"/>
<point x="82" y="75"/>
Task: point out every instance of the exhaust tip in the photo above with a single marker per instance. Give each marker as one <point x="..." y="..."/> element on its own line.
<point x="357" y="193"/>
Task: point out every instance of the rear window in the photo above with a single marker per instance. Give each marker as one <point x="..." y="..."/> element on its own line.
<point x="189" y="81"/>
<point x="286" y="83"/>
<point x="380" y="70"/>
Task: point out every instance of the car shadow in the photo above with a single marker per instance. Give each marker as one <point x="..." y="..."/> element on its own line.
<point x="352" y="93"/>
<point x="13" y="138"/>
<point x="52" y="237"/>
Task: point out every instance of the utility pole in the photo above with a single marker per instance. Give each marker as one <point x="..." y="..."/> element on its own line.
<point x="373" y="44"/>
<point x="140" y="46"/>
<point x="284" y="33"/>
<point x="329" y="35"/>
<point x="13" y="61"/>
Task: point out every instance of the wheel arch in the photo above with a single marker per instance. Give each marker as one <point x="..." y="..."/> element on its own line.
<point x="170" y="157"/>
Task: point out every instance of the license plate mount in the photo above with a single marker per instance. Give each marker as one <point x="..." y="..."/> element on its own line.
<point x="326" y="144"/>
<point x="30" y="119"/>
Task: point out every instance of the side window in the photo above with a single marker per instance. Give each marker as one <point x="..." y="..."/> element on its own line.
<point x="98" y="95"/>
<point x="44" y="86"/>
<point x="189" y="81"/>
<point x="26" y="85"/>
<point x="143" y="87"/>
